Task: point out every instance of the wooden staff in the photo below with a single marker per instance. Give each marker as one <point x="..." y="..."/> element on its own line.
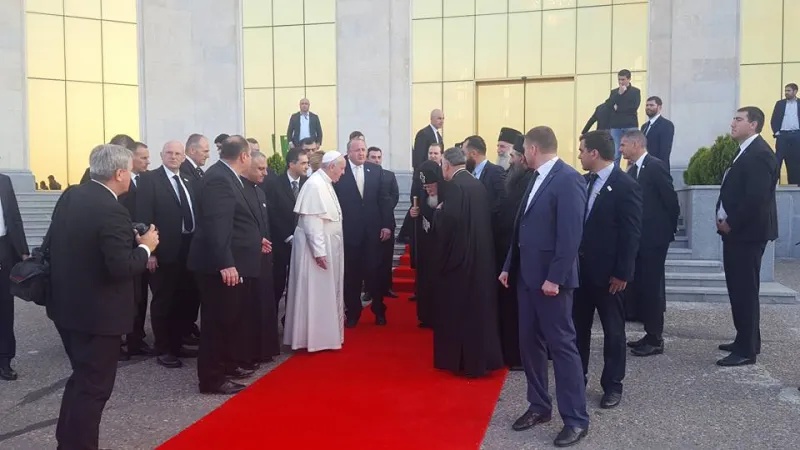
<point x="414" y="203"/>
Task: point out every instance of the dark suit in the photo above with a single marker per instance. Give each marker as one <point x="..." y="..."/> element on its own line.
<point x="660" y="211"/>
<point x="659" y="138"/>
<point x="12" y="247"/>
<point x="387" y="246"/>
<point x="314" y="128"/>
<point x="544" y="247"/>
<point x="748" y="197"/>
<point x="189" y="171"/>
<point x="93" y="262"/>
<point x="787" y="143"/>
<point x="362" y="221"/>
<point x="174" y="290"/>
<point x="282" y="222"/>
<point x="493" y="178"/>
<point x="608" y="249"/>
<point x="422" y="143"/>
<point x="227" y="235"/>
<point x="601" y="117"/>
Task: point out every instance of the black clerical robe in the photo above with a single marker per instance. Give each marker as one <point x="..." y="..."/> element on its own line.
<point x="465" y="335"/>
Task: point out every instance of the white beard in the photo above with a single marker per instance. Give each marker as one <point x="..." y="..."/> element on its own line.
<point x="433" y="201"/>
<point x="504" y="161"/>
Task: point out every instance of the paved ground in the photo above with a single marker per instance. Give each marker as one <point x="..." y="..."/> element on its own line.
<point x="679" y="400"/>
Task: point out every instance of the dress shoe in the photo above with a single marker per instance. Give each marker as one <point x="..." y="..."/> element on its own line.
<point x="226" y="388"/>
<point x="734" y="360"/>
<point x="529" y="420"/>
<point x="391" y="294"/>
<point x="187" y="353"/>
<point x="413" y="298"/>
<point x="637" y="343"/>
<point x="570" y="436"/>
<point x="350" y="324"/>
<point x="380" y="321"/>
<point x="7" y="373"/>
<point x="191" y="340"/>
<point x="726" y="347"/>
<point x="238" y="373"/>
<point x="610" y="400"/>
<point x="140" y="350"/>
<point x="123" y="355"/>
<point x="424" y="325"/>
<point x="250" y="366"/>
<point x="195" y="330"/>
<point x="516" y="368"/>
<point x="169" y="361"/>
<point x="647" y="350"/>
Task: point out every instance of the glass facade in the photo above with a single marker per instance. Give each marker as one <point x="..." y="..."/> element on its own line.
<point x="83" y="77"/>
<point x="289" y="53"/>
<point x="769" y="55"/>
<point x="522" y="63"/>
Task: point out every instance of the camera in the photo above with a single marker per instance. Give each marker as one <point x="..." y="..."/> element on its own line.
<point x="140" y="228"/>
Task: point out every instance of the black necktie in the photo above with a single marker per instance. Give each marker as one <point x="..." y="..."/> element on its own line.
<point x="634" y="171"/>
<point x="186" y="211"/>
<point x="200" y="172"/>
<point x="647" y="127"/>
<point x="589" y="184"/>
<point x="295" y="189"/>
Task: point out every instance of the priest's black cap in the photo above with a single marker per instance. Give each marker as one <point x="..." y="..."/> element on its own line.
<point x="518" y="144"/>
<point x="508" y="135"/>
<point x="430" y="172"/>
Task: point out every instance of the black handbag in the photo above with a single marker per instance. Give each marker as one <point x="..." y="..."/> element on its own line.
<point x="30" y="279"/>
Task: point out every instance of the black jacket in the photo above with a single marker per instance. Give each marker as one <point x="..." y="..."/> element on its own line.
<point x="601" y="116"/>
<point x="626" y="114"/>
<point x="314" y="128"/>
<point x="661" y="209"/>
<point x="393" y="191"/>
<point x="363" y="218"/>
<point x="422" y="143"/>
<point x="493" y="178"/>
<point x="14" y="228"/>
<point x="280" y="202"/>
<point x="659" y="138"/>
<point x="776" y="121"/>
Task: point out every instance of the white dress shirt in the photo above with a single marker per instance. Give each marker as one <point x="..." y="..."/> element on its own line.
<point x="435" y="134"/>
<point x="305" y="129"/>
<point x="170" y="176"/>
<point x="652" y="122"/>
<point x="640" y="164"/>
<point x="790" y="120"/>
<point x="291" y="180"/>
<point x="146" y="248"/>
<point x="602" y="177"/>
<point x="358" y="173"/>
<point x="721" y="214"/>
<point x="479" y="168"/>
<point x="3" y="227"/>
<point x="543" y="170"/>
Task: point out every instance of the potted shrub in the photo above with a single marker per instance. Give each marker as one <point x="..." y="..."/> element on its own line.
<point x="708" y="165"/>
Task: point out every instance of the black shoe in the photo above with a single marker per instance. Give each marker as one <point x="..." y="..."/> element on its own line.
<point x="195" y="331"/>
<point x="734" y="360"/>
<point x="413" y="298"/>
<point x="141" y="349"/>
<point x="250" y="366"/>
<point x="239" y="373"/>
<point x="647" y="350"/>
<point x="391" y="294"/>
<point x="7" y="373"/>
<point x="529" y="420"/>
<point x="610" y="400"/>
<point x="191" y="340"/>
<point x="366" y="298"/>
<point x="169" y="361"/>
<point x="350" y="323"/>
<point x="123" y="355"/>
<point x="424" y="325"/>
<point x="226" y="388"/>
<point x="516" y="368"/>
<point x="727" y="347"/>
<point x="637" y="343"/>
<point x="380" y="321"/>
<point x="184" y="352"/>
<point x="570" y="436"/>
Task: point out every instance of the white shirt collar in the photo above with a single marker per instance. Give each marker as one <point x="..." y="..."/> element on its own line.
<point x="354" y="166"/>
<point x="291" y="180"/>
<point x="654" y="118"/>
<point x="169" y="173"/>
<point x="107" y="188"/>
<point x="743" y="146"/>
<point x="603" y="174"/>
<point x="640" y="162"/>
<point x="545" y="168"/>
<point x="191" y="161"/>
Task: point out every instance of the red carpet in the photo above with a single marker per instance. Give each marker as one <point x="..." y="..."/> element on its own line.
<point x="379" y="392"/>
<point x="403" y="276"/>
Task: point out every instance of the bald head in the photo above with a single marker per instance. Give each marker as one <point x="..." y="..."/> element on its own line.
<point x="437" y="118"/>
<point x="304" y="105"/>
<point x="172" y="155"/>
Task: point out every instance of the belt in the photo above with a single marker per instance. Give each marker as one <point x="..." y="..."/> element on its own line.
<point x="789" y="132"/>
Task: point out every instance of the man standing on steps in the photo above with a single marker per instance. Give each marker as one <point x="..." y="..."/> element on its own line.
<point x="746" y="219"/>
<point x="426" y="137"/>
<point x="660" y="211"/>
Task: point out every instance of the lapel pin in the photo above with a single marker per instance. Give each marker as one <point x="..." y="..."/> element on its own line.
<point x="608" y="188"/>
<point x="264" y="205"/>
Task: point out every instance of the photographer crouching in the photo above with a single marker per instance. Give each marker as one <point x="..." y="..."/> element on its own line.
<point x="93" y="262"/>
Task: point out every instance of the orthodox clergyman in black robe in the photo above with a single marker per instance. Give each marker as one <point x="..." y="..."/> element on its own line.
<point x="465" y="335"/>
<point x="429" y="175"/>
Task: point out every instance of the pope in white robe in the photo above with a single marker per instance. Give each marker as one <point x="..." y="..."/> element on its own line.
<point x="315" y="300"/>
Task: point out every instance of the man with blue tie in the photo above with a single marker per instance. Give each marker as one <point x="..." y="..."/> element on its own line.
<point x="543" y="262"/>
<point x="659" y="130"/>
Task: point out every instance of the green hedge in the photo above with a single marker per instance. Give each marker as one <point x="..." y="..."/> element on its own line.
<point x="277" y="163"/>
<point x="708" y="164"/>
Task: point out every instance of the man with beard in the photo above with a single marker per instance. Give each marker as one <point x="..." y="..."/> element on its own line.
<point x="518" y="177"/>
<point x="428" y="176"/>
<point x="490" y="175"/>
<point x="465" y="338"/>
<point x="505" y="144"/>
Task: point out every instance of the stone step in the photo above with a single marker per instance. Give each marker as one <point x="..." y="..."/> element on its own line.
<point x="679" y="252"/>
<point x="693" y="266"/>
<point x="715" y="280"/>
<point x="770" y="293"/>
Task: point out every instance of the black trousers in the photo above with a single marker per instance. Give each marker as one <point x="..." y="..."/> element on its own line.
<point x="140" y="297"/>
<point x="787" y="149"/>
<point x="94" y="369"/>
<point x="361" y="269"/>
<point x="8" y="343"/>
<point x="385" y="265"/>
<point x="742" y="264"/>
<point x="281" y="256"/>
<point x="260" y="341"/>
<point x="648" y="291"/>
<point x="174" y="292"/>
<point x="611" y="310"/>
<point x="222" y="309"/>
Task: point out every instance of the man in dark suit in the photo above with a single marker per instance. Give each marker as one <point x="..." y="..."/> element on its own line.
<point x="426" y="137"/>
<point x="13" y="248"/>
<point x="366" y="222"/>
<point x="225" y="255"/>
<point x="304" y="124"/>
<point x="659" y="131"/>
<point x="93" y="261"/>
<point x="785" y="122"/>
<point x="611" y="231"/>
<point x="164" y="199"/>
<point x="281" y="192"/>
<point x="491" y="175"/>
<point x="197" y="151"/>
<point x="660" y="211"/>
<point x="623" y="107"/>
<point x="375" y="156"/>
<point x="746" y="219"/>
<point x="601" y="117"/>
<point x="543" y="263"/>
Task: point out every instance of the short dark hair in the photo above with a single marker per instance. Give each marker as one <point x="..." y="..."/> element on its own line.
<point x="356" y="134"/>
<point x="754" y="114"/>
<point x="293" y="155"/>
<point x="655" y="99"/>
<point x="221" y="138"/>
<point x="141" y="144"/>
<point x="252" y="140"/>
<point x="792" y="86"/>
<point x="374" y="149"/>
<point x="601" y="141"/>
<point x="624" y="73"/>
<point x="308" y="141"/>
<point x="544" y="137"/>
<point x="124" y="140"/>
<point x="233" y="147"/>
<point x="476" y="143"/>
<point x="441" y="147"/>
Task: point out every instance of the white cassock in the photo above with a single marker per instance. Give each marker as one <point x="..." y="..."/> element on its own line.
<point x="315" y="300"/>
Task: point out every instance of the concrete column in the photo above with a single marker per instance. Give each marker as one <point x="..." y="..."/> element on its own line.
<point x="373" y="47"/>
<point x="694" y="67"/>
<point x="13" y="96"/>
<point x="190" y="70"/>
